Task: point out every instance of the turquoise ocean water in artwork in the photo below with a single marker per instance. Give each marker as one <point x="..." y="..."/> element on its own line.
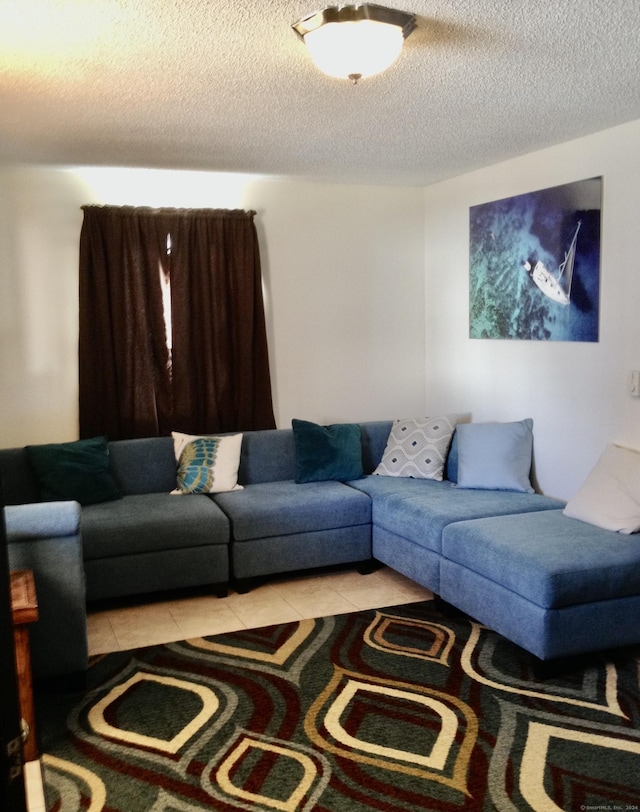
<point x="503" y="299"/>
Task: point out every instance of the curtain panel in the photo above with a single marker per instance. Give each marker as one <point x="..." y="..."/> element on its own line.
<point x="172" y="325"/>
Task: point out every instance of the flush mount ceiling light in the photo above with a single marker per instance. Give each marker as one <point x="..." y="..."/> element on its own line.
<point x="353" y="42"/>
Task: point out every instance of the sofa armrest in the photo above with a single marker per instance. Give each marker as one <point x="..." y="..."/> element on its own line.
<point x="45" y="538"/>
<point x="42" y="520"/>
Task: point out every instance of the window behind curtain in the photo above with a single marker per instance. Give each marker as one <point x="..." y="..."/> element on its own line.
<point x="172" y="326"/>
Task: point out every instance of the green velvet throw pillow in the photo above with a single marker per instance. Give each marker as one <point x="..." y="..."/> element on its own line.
<point x="76" y="471"/>
<point x="327" y="452"/>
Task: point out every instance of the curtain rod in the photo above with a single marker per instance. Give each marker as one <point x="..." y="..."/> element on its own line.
<point x="174" y="211"/>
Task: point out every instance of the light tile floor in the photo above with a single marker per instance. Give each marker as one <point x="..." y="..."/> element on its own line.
<point x="278" y="601"/>
<point x="136" y="624"/>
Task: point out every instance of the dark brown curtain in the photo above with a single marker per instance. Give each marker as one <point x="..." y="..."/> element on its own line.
<point x="216" y="378"/>
<point x="123" y="355"/>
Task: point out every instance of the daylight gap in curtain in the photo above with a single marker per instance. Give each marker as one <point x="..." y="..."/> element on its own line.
<point x="172" y="326"/>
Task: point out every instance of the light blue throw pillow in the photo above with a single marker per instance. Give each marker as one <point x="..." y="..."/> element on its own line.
<point x="495" y="456"/>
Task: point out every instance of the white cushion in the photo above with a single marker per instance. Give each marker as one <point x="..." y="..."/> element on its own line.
<point x="207" y="464"/>
<point x="610" y="495"/>
<point x="417" y="447"/>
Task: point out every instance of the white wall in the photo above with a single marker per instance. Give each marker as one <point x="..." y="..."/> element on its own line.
<point x="359" y="280"/>
<point x="343" y="269"/>
<point x="575" y="392"/>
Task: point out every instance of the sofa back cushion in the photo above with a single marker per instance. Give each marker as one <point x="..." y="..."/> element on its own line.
<point x="267" y="456"/>
<point x="146" y="465"/>
<point x="19" y="482"/>
<point x="270" y="455"/>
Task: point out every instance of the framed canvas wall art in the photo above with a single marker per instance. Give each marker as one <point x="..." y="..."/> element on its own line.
<point x="534" y="265"/>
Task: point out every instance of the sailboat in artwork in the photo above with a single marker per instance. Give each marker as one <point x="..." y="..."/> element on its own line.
<point x="557" y="287"/>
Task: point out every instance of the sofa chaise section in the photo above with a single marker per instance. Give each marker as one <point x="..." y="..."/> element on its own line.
<point x="554" y="585"/>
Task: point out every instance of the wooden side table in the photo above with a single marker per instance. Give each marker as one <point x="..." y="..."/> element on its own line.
<point x="24" y="608"/>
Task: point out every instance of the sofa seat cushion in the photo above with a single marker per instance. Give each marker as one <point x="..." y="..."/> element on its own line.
<point x="281" y="508"/>
<point x="548" y="558"/>
<point x="419" y="509"/>
<point x="144" y="523"/>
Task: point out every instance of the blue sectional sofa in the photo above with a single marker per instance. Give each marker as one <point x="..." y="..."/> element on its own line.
<point x="510" y="558"/>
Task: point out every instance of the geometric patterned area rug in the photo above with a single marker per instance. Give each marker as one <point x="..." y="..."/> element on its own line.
<point x="403" y="709"/>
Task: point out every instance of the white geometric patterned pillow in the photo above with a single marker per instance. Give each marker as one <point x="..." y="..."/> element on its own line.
<point x="417" y="447"/>
<point x="206" y="464"/>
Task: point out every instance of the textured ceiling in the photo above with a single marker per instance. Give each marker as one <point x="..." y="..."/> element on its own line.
<point x="227" y="86"/>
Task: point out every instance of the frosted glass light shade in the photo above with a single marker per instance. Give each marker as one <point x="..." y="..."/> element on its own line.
<point x="354" y="42"/>
<point x="361" y="48"/>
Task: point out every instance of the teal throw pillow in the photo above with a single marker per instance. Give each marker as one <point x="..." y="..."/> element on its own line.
<point x="76" y="471"/>
<point x="495" y="456"/>
<point x="327" y="452"/>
